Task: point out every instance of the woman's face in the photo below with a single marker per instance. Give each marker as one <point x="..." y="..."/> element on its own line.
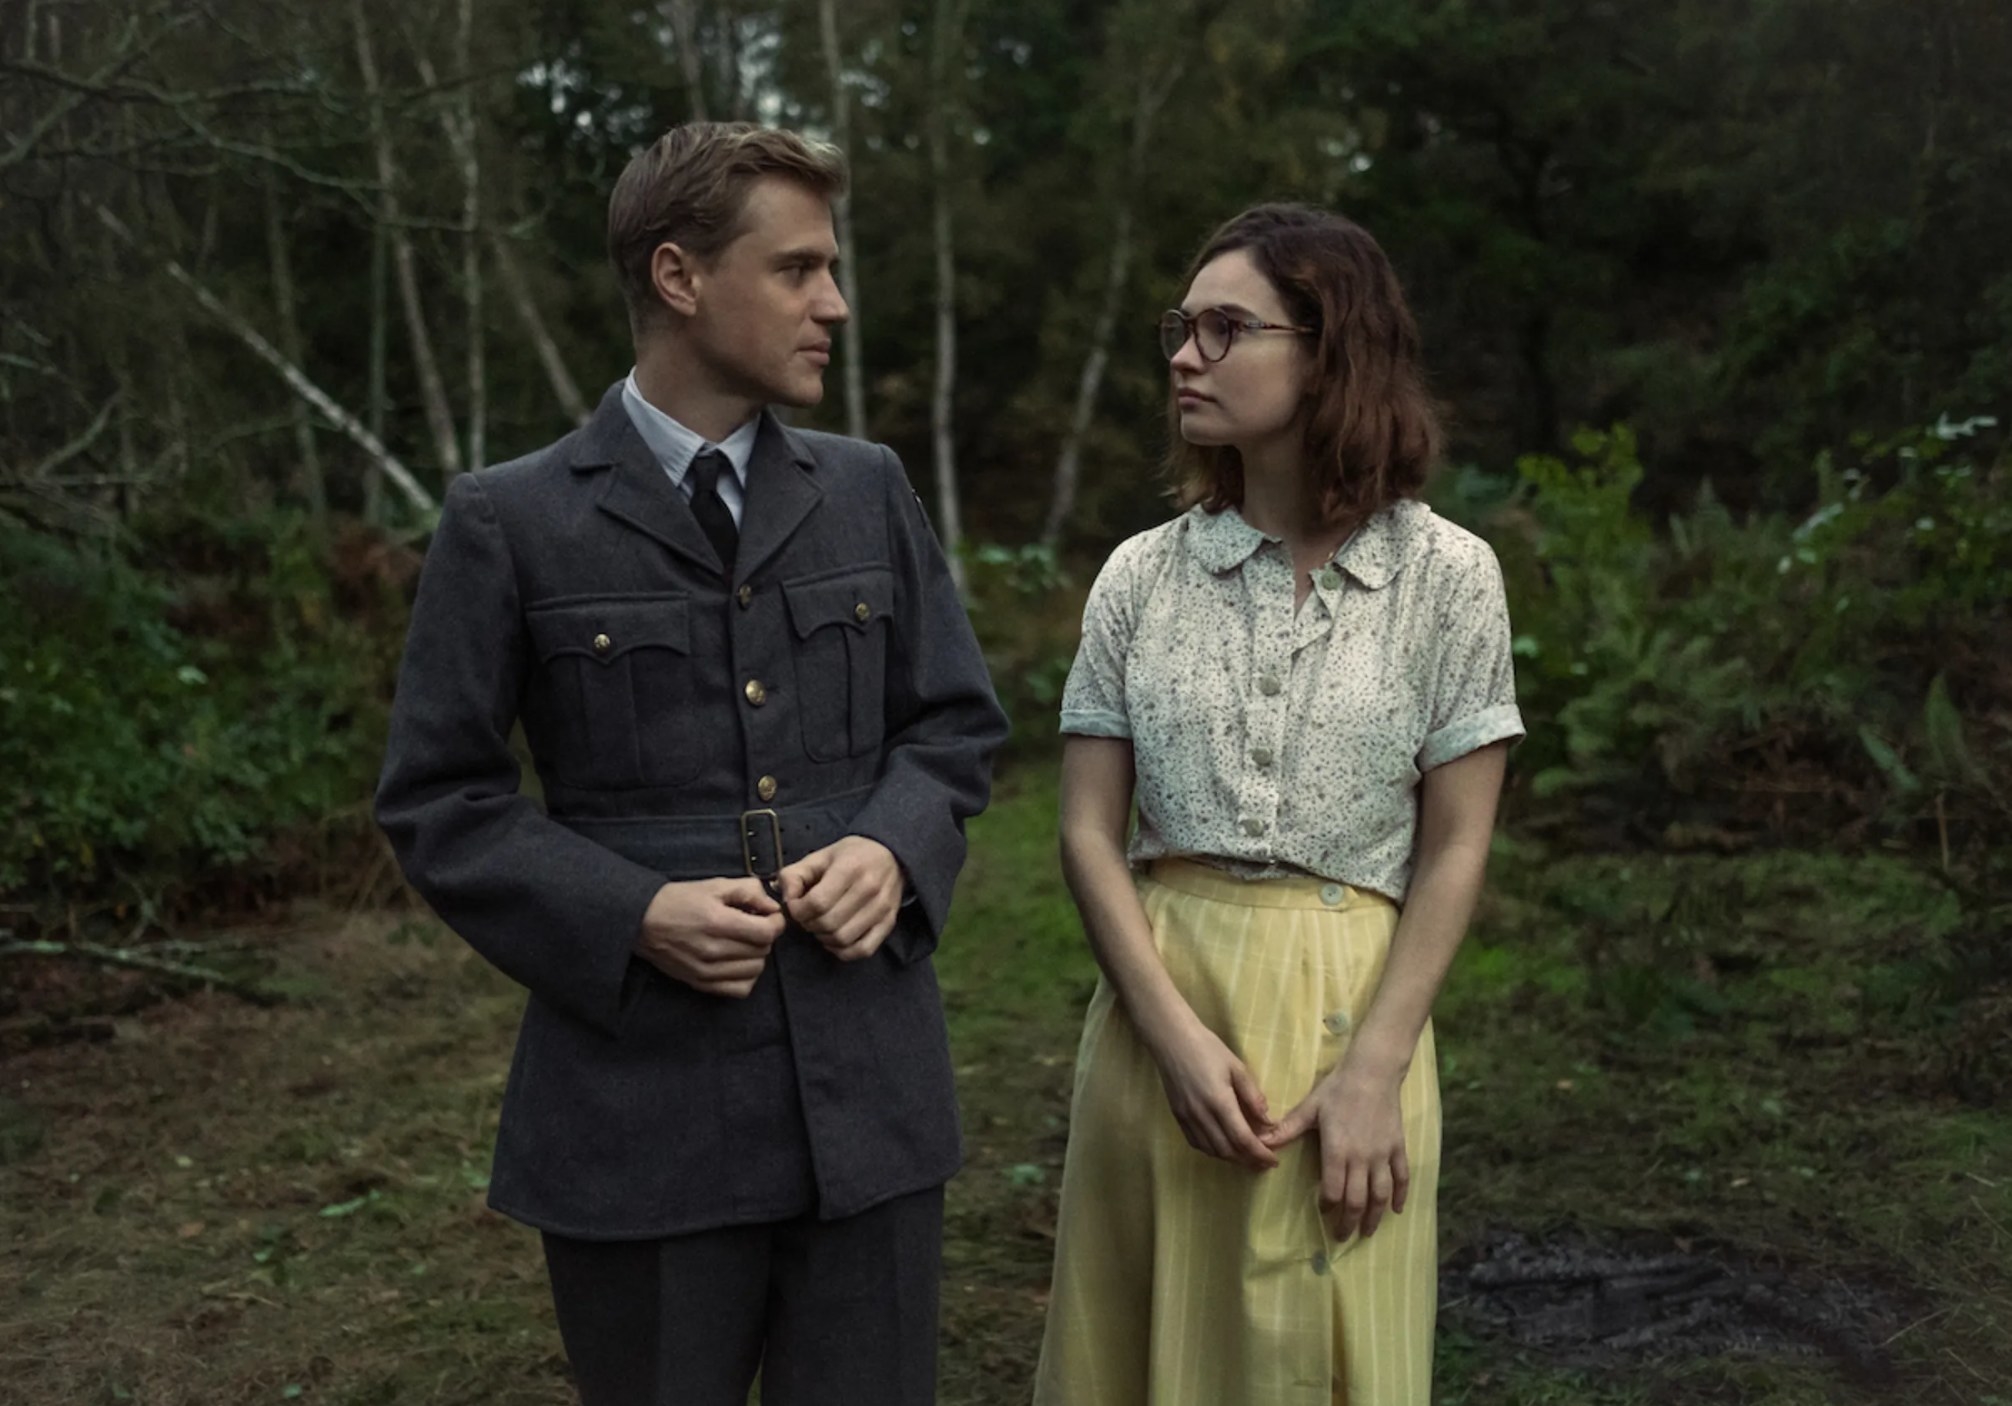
<point x="1257" y="392"/>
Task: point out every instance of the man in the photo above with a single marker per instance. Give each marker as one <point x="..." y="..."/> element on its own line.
<point x="760" y="721"/>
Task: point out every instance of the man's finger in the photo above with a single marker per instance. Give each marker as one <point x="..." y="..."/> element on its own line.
<point x="1400" y="1176"/>
<point x="799" y="878"/>
<point x="748" y="895"/>
<point x="851" y="910"/>
<point x="747" y="929"/>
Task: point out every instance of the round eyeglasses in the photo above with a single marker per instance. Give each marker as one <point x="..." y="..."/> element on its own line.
<point x="1214" y="331"/>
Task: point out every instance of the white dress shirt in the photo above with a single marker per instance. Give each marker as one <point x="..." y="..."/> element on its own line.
<point x="676" y="445"/>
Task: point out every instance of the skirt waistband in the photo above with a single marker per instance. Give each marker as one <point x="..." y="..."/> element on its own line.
<point x="1205" y="881"/>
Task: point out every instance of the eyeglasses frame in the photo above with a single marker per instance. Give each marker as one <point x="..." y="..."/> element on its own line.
<point x="1235" y="324"/>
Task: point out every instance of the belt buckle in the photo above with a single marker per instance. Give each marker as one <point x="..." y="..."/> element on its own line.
<point x="751" y="831"/>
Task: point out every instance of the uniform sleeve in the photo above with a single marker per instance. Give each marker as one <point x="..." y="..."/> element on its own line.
<point x="943" y="724"/>
<point x="1093" y="699"/>
<point x="1474" y="689"/>
<point x="548" y="907"/>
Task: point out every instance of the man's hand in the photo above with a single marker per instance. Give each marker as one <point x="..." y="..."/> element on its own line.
<point x="846" y="895"/>
<point x="714" y="935"/>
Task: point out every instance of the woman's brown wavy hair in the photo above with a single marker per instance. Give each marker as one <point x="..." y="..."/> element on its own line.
<point x="1372" y="434"/>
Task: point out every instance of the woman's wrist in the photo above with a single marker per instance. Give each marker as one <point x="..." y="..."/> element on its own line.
<point x="1376" y="1061"/>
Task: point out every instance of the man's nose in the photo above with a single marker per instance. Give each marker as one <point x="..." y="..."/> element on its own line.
<point x="831" y="306"/>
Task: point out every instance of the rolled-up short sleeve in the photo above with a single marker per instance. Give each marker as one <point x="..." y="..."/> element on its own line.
<point x="1474" y="690"/>
<point x="1093" y="700"/>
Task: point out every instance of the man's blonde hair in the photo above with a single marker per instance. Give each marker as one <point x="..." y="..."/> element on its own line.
<point x="690" y="188"/>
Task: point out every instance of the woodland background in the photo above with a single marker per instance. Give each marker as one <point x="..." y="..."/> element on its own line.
<point x="1717" y="294"/>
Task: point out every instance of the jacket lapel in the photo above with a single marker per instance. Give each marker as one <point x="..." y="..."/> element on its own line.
<point x="638" y="492"/>
<point x="780" y="494"/>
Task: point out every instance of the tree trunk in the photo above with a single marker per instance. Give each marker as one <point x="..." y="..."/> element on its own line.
<point x="1068" y="464"/>
<point x="313" y="485"/>
<point x="949" y="518"/>
<point x="432" y="389"/>
<point x="848" y="270"/>
<point x="373" y="473"/>
<point x="1153" y="95"/>
<point x="685" y="29"/>
<point x="290" y="373"/>
<point x="471" y="245"/>
<point x="519" y="293"/>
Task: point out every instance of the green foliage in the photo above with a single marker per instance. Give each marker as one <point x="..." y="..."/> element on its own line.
<point x="1024" y="609"/>
<point x="174" y="720"/>
<point x="1848" y="642"/>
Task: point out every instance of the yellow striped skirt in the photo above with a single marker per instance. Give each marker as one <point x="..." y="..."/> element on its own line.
<point x="1182" y="1280"/>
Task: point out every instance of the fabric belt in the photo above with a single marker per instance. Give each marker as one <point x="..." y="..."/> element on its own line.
<point x="756" y="842"/>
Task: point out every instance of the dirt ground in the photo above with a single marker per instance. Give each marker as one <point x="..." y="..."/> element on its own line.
<point x="1701" y="1147"/>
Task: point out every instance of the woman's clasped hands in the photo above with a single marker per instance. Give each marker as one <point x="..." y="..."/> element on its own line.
<point x="1354" y="1111"/>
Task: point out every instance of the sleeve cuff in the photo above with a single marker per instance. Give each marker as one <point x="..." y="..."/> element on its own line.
<point x="1095" y="722"/>
<point x="1470" y="734"/>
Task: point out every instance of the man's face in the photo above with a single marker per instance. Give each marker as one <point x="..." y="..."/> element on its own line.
<point x="765" y="307"/>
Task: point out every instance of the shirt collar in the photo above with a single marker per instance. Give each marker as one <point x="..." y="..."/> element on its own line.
<point x="1223" y="541"/>
<point x="676" y="445"/>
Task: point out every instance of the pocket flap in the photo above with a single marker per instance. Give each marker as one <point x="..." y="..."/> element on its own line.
<point x="857" y="599"/>
<point x="606" y="629"/>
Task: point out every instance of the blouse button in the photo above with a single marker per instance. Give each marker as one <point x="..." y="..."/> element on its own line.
<point x="1329" y="578"/>
<point x="1269" y="685"/>
<point x="1331" y="894"/>
<point x="1337" y="1024"/>
<point x="1253" y="827"/>
<point x="1261" y="755"/>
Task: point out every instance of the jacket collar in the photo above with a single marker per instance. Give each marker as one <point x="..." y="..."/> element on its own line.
<point x="638" y="493"/>
<point x="1223" y="541"/>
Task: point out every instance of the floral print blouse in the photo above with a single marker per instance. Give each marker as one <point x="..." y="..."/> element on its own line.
<point x="1269" y="740"/>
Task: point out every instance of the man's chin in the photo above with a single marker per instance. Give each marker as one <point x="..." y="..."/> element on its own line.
<point x="800" y="395"/>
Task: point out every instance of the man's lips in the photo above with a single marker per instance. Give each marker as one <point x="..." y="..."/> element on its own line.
<point x="821" y="353"/>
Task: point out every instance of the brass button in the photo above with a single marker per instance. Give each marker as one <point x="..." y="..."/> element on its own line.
<point x="745" y="595"/>
<point x="756" y="694"/>
<point x="602" y="644"/>
<point x="1269" y="685"/>
<point x="1261" y="755"/>
<point x="862" y="612"/>
<point x="765" y="788"/>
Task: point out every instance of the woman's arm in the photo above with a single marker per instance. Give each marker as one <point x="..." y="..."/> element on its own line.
<point x="1213" y="1096"/>
<point x="1364" y="1171"/>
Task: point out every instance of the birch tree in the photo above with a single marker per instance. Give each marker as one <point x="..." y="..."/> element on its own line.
<point x="946" y="45"/>
<point x="404" y="261"/>
<point x="848" y="267"/>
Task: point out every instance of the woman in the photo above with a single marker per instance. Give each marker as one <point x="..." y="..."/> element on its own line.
<point x="1306" y="680"/>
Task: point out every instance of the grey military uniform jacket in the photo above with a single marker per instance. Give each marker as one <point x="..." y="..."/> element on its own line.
<point x="833" y="681"/>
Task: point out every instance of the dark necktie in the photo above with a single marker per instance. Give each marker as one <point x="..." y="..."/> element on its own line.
<point x="715" y="519"/>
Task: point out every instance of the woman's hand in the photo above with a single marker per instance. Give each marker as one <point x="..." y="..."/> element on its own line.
<point x="1363" y="1170"/>
<point x="1215" y="1099"/>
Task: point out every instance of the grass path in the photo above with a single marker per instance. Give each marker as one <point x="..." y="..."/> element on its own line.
<point x="225" y="1205"/>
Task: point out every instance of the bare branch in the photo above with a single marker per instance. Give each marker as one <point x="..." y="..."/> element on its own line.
<point x="82" y="442"/>
<point x="290" y="373"/>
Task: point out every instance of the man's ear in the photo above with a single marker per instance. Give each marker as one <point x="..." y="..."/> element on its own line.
<point x="674" y="275"/>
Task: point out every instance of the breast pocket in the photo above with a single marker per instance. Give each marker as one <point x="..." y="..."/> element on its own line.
<point x="618" y="679"/>
<point x="841" y="622"/>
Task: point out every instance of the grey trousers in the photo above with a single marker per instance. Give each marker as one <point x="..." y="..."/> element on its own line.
<point x="837" y="1313"/>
